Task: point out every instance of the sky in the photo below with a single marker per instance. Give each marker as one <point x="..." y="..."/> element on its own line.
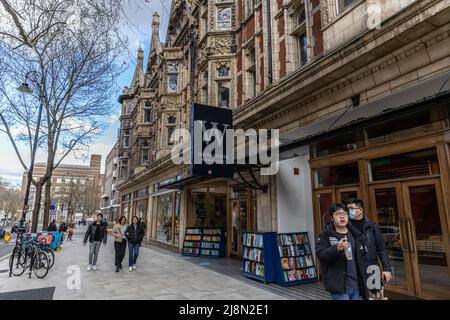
<point x="138" y="29"/>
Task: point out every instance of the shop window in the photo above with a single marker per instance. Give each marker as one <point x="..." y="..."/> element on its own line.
<point x="167" y="224"/>
<point x="419" y="163"/>
<point x="337" y="175"/>
<point x="343" y="4"/>
<point x="140" y="210"/>
<point x="223" y="18"/>
<point x="199" y="200"/>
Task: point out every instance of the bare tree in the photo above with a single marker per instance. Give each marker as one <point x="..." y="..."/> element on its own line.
<point x="66" y="51"/>
<point x="10" y="200"/>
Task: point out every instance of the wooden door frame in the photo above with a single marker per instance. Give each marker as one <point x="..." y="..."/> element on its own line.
<point x="410" y="288"/>
<point x="316" y="208"/>
<point x="442" y="216"/>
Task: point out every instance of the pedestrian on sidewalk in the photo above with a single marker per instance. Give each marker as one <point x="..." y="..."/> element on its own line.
<point x="52" y="226"/>
<point x="62" y="228"/>
<point x="144" y="226"/>
<point x="377" y="252"/>
<point x="70" y="229"/>
<point x="96" y="233"/>
<point x="342" y="252"/>
<point x="120" y="241"/>
<point x="135" y="234"/>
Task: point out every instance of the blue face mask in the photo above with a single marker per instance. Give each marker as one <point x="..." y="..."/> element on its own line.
<point x="352" y="214"/>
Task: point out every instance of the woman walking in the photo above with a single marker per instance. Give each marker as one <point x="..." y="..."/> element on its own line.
<point x="135" y="234"/>
<point x="120" y="242"/>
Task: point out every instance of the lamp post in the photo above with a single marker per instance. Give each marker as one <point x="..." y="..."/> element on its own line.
<point x="25" y="88"/>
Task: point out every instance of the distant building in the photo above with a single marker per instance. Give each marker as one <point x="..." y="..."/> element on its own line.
<point x="110" y="197"/>
<point x="74" y="189"/>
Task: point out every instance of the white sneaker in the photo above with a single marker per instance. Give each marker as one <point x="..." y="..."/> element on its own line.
<point x="89" y="267"/>
<point x="94" y="267"/>
<point x="130" y="268"/>
<point x="134" y="267"/>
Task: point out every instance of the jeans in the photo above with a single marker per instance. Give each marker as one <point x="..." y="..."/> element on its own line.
<point x="133" y="250"/>
<point x="94" y="247"/>
<point x="351" y="294"/>
<point x="120" y="248"/>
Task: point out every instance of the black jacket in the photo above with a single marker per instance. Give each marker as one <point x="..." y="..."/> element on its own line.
<point x="376" y="246"/>
<point x="52" y="227"/>
<point x="333" y="263"/>
<point x="135" y="236"/>
<point x="62" y="227"/>
<point x="90" y="232"/>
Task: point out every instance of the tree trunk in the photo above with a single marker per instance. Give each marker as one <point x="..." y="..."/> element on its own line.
<point x="45" y="223"/>
<point x="37" y="207"/>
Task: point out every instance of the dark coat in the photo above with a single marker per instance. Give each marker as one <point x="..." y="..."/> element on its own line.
<point x="62" y="227"/>
<point x="135" y="236"/>
<point x="375" y="245"/>
<point x="333" y="263"/>
<point x="52" y="227"/>
<point x="90" y="232"/>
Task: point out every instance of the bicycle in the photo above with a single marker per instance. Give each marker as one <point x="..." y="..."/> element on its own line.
<point x="29" y="254"/>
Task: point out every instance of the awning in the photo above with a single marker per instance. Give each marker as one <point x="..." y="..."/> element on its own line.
<point x="420" y="93"/>
<point x="183" y="181"/>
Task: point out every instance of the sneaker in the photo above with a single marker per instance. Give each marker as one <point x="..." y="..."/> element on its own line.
<point x="89" y="267"/>
<point x="130" y="268"/>
<point x="134" y="267"/>
<point x="94" y="267"/>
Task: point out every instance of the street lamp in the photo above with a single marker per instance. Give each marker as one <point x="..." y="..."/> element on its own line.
<point x="25" y="88"/>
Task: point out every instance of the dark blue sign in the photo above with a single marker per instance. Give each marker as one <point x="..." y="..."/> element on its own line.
<point x="209" y="141"/>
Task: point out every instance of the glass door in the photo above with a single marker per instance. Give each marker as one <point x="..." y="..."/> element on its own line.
<point x="428" y="238"/>
<point x="239" y="222"/>
<point x="387" y="208"/>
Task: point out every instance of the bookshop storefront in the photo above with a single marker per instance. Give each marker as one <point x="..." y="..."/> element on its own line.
<point x="399" y="166"/>
<point x="223" y="204"/>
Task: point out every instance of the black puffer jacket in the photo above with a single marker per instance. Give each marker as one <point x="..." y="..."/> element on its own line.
<point x="333" y="263"/>
<point x="135" y="235"/>
<point x="375" y="245"/>
<point x="90" y="232"/>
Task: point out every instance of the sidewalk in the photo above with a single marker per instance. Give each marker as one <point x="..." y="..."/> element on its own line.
<point x="158" y="276"/>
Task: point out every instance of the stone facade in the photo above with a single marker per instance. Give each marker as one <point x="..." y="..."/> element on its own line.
<point x="277" y="64"/>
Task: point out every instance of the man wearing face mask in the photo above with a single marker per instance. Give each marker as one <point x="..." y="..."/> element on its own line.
<point x="375" y="242"/>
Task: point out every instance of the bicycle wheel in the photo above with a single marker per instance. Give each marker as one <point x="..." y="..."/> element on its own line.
<point x="17" y="264"/>
<point x="51" y="257"/>
<point x="41" y="265"/>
